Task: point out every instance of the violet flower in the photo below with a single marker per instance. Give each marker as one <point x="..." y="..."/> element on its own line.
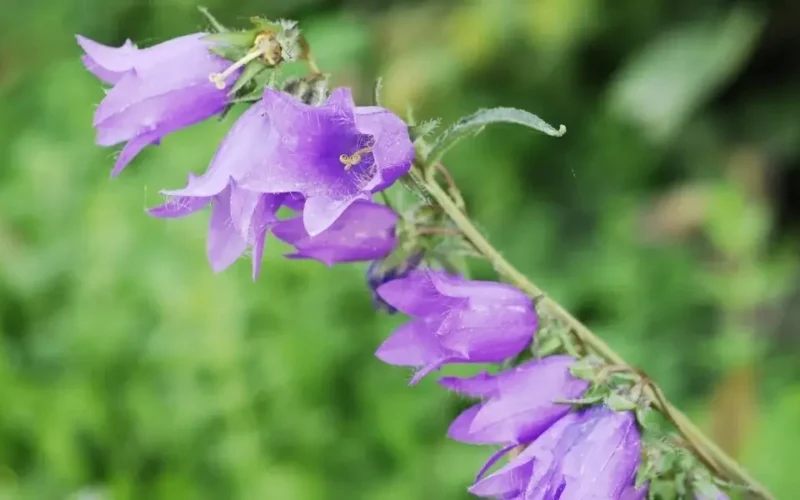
<point x="365" y="231"/>
<point x="455" y="321"/>
<point x="332" y="155"/>
<point x="382" y="271"/>
<point x="239" y="219"/>
<point x="157" y="90"/>
<point x="519" y="403"/>
<point x="588" y="455"/>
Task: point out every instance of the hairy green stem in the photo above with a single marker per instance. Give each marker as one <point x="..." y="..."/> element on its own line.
<point x="706" y="450"/>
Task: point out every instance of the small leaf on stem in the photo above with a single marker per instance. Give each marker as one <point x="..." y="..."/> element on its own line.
<point x="473" y="124"/>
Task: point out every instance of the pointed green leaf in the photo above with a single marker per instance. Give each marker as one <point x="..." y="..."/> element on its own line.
<point x="376" y="92"/>
<point x="213" y="20"/>
<point x="236" y="38"/>
<point x="249" y="73"/>
<point x="474" y="124"/>
<point x="420" y="130"/>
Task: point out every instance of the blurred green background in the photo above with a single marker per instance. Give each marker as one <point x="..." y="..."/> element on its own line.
<point x="664" y="218"/>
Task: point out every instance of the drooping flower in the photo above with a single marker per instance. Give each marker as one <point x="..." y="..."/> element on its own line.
<point x="239" y="219"/>
<point x="157" y="90"/>
<point x="387" y="269"/>
<point x="332" y="154"/>
<point x="519" y="404"/>
<point x="586" y="455"/>
<point x="455" y="321"/>
<point x="365" y="231"/>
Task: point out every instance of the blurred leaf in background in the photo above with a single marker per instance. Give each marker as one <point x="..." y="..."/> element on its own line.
<point x="129" y="370"/>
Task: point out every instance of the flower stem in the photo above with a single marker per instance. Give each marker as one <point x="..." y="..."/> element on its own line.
<point x="705" y="449"/>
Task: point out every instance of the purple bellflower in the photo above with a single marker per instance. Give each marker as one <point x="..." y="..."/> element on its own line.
<point x="586" y="455"/>
<point x="381" y="271"/>
<point x="156" y="90"/>
<point x="332" y="154"/>
<point x="239" y="219"/>
<point x="455" y="321"/>
<point x="365" y="231"/>
<point x="519" y="404"/>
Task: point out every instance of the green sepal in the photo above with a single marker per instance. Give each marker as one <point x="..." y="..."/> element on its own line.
<point x="212" y="20"/>
<point x="550" y="345"/>
<point x="644" y="416"/>
<point x="584" y="369"/>
<point x="248" y="76"/>
<point x="226" y="110"/>
<point x="594" y="395"/>
<point x="241" y="38"/>
<point x="618" y="402"/>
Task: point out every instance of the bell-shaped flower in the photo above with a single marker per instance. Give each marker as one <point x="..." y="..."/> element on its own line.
<point x="332" y="154"/>
<point x="156" y="90"/>
<point x="365" y="231"/>
<point x="586" y="455"/>
<point x="239" y="219"/>
<point x="391" y="268"/>
<point x="519" y="404"/>
<point x="455" y="321"/>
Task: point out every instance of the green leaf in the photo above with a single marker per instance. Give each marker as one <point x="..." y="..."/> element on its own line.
<point x="213" y="20"/>
<point x="420" y="130"/>
<point x="472" y="125"/>
<point x="236" y="38"/>
<point x="376" y="92"/>
<point x="249" y="73"/>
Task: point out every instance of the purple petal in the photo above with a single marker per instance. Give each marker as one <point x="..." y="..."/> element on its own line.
<point x="115" y="60"/>
<point x="459" y="429"/>
<point x="321" y="211"/>
<point x="225" y="244"/>
<point x="411" y="345"/>
<point x="415" y="295"/>
<point x="179" y="206"/>
<point x="234" y="157"/>
<point x="481" y="385"/>
<point x="365" y="231"/>
<point x="133" y="148"/>
<point x="490" y="334"/>
<point x="518" y="414"/>
<point x="393" y="150"/>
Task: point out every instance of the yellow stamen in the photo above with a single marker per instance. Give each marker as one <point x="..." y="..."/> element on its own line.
<point x="354" y="159"/>
<point x="264" y="45"/>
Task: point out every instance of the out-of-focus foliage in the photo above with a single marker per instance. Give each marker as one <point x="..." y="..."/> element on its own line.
<point x="665" y="218"/>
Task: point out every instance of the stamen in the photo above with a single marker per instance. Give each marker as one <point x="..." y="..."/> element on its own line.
<point x="354" y="159"/>
<point x="264" y="45"/>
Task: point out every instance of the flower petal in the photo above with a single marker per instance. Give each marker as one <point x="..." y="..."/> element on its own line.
<point x="393" y="150"/>
<point x="481" y="385"/>
<point x="179" y="206"/>
<point x="415" y="295"/>
<point x="225" y="244"/>
<point x="411" y="345"/>
<point x="321" y="211"/>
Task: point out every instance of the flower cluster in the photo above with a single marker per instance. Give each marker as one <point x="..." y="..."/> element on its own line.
<point x="325" y="159"/>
